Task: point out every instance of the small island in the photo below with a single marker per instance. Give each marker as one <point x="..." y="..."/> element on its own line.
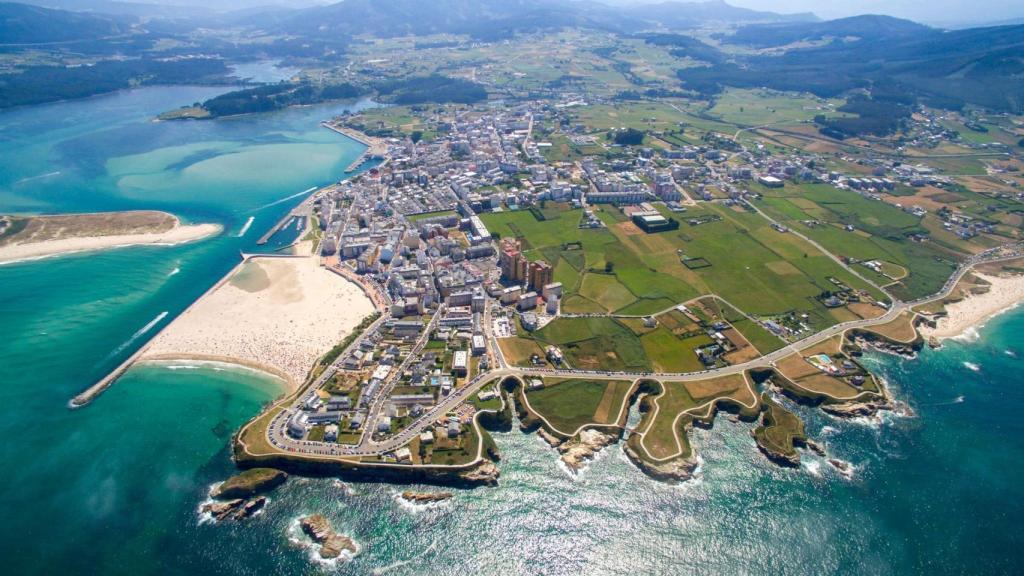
<point x="29" y="237"/>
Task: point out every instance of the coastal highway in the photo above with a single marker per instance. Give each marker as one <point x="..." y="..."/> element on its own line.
<point x="368" y="447"/>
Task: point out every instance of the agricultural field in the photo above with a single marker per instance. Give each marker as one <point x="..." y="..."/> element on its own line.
<point x="570" y="404"/>
<point x="597" y="343"/>
<point x="761" y="107"/>
<point x="880" y="233"/>
<point x="621" y="270"/>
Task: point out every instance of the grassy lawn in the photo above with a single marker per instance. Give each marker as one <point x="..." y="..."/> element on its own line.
<point x="607" y="291"/>
<point x="596" y="344"/>
<point x="517" y="351"/>
<point x="569" y="404"/>
<point x="670" y="353"/>
<point x="779" y="429"/>
<point x="659" y="439"/>
<point x="417" y="217"/>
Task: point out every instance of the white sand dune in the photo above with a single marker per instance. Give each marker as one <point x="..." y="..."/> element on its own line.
<point x="1005" y="292"/>
<point x="274" y="314"/>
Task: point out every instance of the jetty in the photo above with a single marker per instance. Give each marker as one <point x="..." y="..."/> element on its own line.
<point x="303" y="212"/>
<point x="376" y="149"/>
<point x="90" y="393"/>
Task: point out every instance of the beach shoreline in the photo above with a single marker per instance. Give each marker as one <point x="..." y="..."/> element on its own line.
<point x="1004" y="294"/>
<point x="178" y="234"/>
<point x="277" y="315"/>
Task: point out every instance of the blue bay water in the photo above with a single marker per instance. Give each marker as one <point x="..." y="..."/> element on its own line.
<point x="113" y="488"/>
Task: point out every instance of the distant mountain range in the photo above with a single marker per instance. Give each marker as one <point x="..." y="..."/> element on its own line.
<point x="27" y="24"/>
<point x="981" y="66"/>
<point x="501" y="18"/>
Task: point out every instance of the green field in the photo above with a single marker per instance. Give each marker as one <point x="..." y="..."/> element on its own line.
<point x="599" y="343"/>
<point x="569" y="404"/>
<point x="670" y="353"/>
<point x="752" y="266"/>
<point x="880" y="234"/>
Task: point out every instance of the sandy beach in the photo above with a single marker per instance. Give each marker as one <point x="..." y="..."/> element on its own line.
<point x="1004" y="293"/>
<point x="31" y="248"/>
<point x="274" y="314"/>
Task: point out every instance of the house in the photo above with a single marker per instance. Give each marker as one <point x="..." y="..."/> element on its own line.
<point x="427" y="437"/>
<point x="403" y="455"/>
<point x="331" y="433"/>
<point x="384" y="424"/>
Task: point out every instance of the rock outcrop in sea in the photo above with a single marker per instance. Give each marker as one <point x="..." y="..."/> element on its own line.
<point x="234" y="509"/>
<point x="250" y="483"/>
<point x="332" y="544"/>
<point x="425" y="497"/>
<point x="577" y="451"/>
<point x="483" y="473"/>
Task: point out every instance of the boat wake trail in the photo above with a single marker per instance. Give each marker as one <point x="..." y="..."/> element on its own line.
<point x="276" y="202"/>
<point x="40" y="177"/>
<point x="138" y="334"/>
<point x="245" y="228"/>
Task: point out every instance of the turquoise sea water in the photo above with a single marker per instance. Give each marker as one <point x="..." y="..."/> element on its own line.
<point x="113" y="488"/>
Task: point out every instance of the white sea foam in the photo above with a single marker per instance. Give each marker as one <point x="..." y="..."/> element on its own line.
<point x="969" y="335"/>
<point x="416" y="507"/>
<point x="972" y="366"/>
<point x="828" y="430"/>
<point x="174" y="272"/>
<point x="812" y="466"/>
<point x="1010" y="353"/>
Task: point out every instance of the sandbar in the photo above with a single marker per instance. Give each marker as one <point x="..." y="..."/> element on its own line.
<point x="1004" y="293"/>
<point x="278" y="314"/>
<point x="44" y="236"/>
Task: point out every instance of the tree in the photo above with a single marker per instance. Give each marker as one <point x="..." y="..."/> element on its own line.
<point x="609" y="267"/>
<point x="629" y="137"/>
<point x="416" y="136"/>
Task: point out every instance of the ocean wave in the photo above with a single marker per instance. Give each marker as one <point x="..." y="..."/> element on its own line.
<point x="174" y="272"/>
<point x="968" y="336"/>
<point x="972" y="366"/>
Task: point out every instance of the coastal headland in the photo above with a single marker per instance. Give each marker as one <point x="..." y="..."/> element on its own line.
<point x="30" y="237"/>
